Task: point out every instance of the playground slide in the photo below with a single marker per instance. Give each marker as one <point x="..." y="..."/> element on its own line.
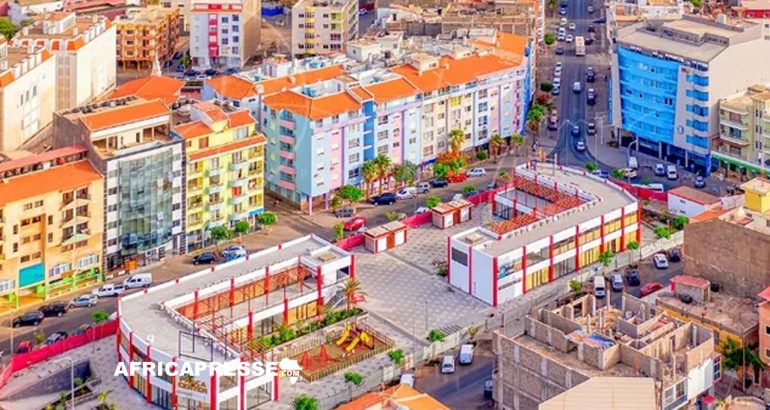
<point x="344" y="336"/>
<point x="367" y="340"/>
<point x="353" y="344"/>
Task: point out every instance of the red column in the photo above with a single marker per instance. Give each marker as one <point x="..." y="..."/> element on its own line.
<point x="601" y="232"/>
<point x="130" y="356"/>
<point x="232" y="292"/>
<point x="195" y="305"/>
<point x="275" y="388"/>
<point x="242" y="385"/>
<point x="250" y="327"/>
<point x="577" y="247"/>
<point x="448" y="259"/>
<point x="639" y="223"/>
<point x="352" y="269"/>
<point x="147" y="382"/>
<point x="470" y="270"/>
<point x="286" y="310"/>
<point x="318" y="282"/>
<point x="622" y="229"/>
<point x="267" y="283"/>
<point x="495" y="272"/>
<point x="173" y="389"/>
<point x="117" y="340"/>
<point x="523" y="269"/>
<point x="550" y="257"/>
<point x="213" y="391"/>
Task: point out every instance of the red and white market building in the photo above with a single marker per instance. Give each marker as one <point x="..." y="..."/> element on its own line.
<point x="211" y="315"/>
<point x="553" y="221"/>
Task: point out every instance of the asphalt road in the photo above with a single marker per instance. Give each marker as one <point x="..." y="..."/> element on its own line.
<point x="465" y="388"/>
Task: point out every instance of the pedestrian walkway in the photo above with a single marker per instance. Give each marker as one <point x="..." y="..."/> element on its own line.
<point x="103" y="359"/>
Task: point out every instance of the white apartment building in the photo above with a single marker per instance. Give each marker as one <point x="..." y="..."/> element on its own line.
<point x="224" y="33"/>
<point x="20" y="10"/>
<point x="323" y="26"/>
<point x="27" y="101"/>
<point x="84" y="48"/>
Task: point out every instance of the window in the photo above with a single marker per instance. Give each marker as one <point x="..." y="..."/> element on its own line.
<point x="87" y="261"/>
<point x="382" y="135"/>
<point x="354" y="173"/>
<point x="460" y="257"/>
<point x="59" y="269"/>
<point x="354" y="143"/>
<point x="353" y="158"/>
<point x="767" y="330"/>
<point x="203" y="142"/>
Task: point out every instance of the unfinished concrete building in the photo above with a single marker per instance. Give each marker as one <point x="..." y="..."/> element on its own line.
<point x="565" y="347"/>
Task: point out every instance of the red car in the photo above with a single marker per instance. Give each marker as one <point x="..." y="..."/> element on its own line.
<point x="650" y="287"/>
<point x="457" y="178"/>
<point x="355" y="223"/>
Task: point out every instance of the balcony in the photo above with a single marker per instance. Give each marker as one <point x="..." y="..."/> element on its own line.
<point x="239" y="199"/>
<point x="215" y="205"/>
<point x="194" y="223"/>
<point x="215" y="188"/>
<point x="216" y="222"/>
<point x="287" y="155"/>
<point x="240" y="182"/>
<point x="76" y="202"/>
<point x="194" y="172"/>
<point x="215" y="171"/>
<point x="195" y="205"/>
<point x="237" y="166"/>
<point x="733" y="141"/>
<point x="734" y="124"/>
<point x="287" y="185"/>
<point x="193" y="189"/>
<point x="239" y="217"/>
<point x="287" y="139"/>
<point x="287" y="169"/>
<point x="288" y="124"/>
<point x="75" y="220"/>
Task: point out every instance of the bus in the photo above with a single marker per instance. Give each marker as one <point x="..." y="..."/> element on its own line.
<point x="580" y="46"/>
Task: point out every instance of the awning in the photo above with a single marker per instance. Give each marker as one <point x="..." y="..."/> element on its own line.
<point x="76" y="238"/>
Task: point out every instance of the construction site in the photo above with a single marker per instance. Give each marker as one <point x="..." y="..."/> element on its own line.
<point x="564" y="347"/>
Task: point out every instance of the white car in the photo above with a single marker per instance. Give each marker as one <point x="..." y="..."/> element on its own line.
<point x="476" y="172"/>
<point x="671" y="172"/>
<point x="558" y="64"/>
<point x="109" y="289"/>
<point x="580" y="146"/>
<point x="421" y="210"/>
<point x="660" y="260"/>
<point x="563" y="21"/>
<point x="362" y="12"/>
<point x="406" y="193"/>
<point x="234" y="252"/>
<point x="577" y="87"/>
<point x="557" y="70"/>
<point x="557" y="81"/>
<point x="569" y="38"/>
<point x="571" y="26"/>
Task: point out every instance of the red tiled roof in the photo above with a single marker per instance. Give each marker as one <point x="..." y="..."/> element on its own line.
<point x="42" y="157"/>
<point x="690" y="281"/>
<point x="307" y="77"/>
<point x="232" y="86"/>
<point x="233" y="146"/>
<point x="61" y="178"/>
<point x="193" y="129"/>
<point x="387" y="91"/>
<point x="150" y="88"/>
<point x="765" y="294"/>
<point x="124" y="114"/>
<point x="452" y="72"/>
<point x="240" y="118"/>
<point x="312" y="108"/>
<point x="694" y="195"/>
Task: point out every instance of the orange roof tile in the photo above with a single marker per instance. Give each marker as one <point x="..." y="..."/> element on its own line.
<point x="124" y="114"/>
<point x="232" y="86"/>
<point x="233" y="146"/>
<point x="307" y="77"/>
<point x="43" y="157"/>
<point x="150" y="88"/>
<point x="709" y="214"/>
<point x="240" y="118"/>
<point x="510" y="47"/>
<point x="211" y="110"/>
<point x="453" y="72"/>
<point x="55" y="179"/>
<point x="401" y="396"/>
<point x="361" y="93"/>
<point x="312" y="108"/>
<point x="193" y="129"/>
<point x="387" y="91"/>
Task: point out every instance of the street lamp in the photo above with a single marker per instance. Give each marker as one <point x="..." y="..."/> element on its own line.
<point x="72" y="379"/>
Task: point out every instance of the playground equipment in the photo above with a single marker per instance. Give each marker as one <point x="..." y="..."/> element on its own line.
<point x="357" y="334"/>
<point x="345" y="335"/>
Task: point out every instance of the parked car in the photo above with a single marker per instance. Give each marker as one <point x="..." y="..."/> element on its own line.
<point x="563" y="21"/>
<point x="192" y="73"/>
<point x="575" y="130"/>
<point x="557" y="82"/>
<point x="700" y="182"/>
<point x="591" y="128"/>
<point x="180" y="68"/>
<point x="600" y="289"/>
<point x="590" y="9"/>
<point x="671" y="172"/>
<point x="649" y="288"/>
<point x="559" y="51"/>
<point x="439" y="183"/>
<point x="571" y="27"/>
<point x="556" y="90"/>
<point x="591" y="28"/>
<point x="457" y="178"/>
<point x="563" y="11"/>
<point x="601" y="173"/>
<point x="660" y="260"/>
<point x="81" y="329"/>
<point x="489" y="388"/>
<point x="553" y="121"/>
<point x="448" y="364"/>
<point x="408" y="192"/>
<point x="55" y="337"/>
<point x="57" y="309"/>
<point x="205" y="258"/>
<point x="577" y="87"/>
<point x="234" y="251"/>
<point x="590" y="75"/>
<point x="29" y="319"/>
<point x="211" y="72"/>
<point x="617" y="282"/>
<point x="231" y="70"/>
<point x="25" y="347"/>
<point x="84" y="301"/>
<point x="387" y="198"/>
<point x="138" y="280"/>
<point x="629" y="173"/>
<point x="569" y="38"/>
<point x="362" y="12"/>
<point x="580" y="146"/>
<point x="466" y="353"/>
<point x="674" y="255"/>
<point x="632" y="278"/>
<point x="407" y="378"/>
<point x="178" y="55"/>
<point x="423" y="187"/>
<point x="421" y="210"/>
<point x="476" y="172"/>
<point x="109" y="289"/>
<point x="660" y="170"/>
<point x="591" y="96"/>
<point x="355" y="223"/>
<point x="345" y="212"/>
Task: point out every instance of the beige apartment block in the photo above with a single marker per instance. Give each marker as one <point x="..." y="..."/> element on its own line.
<point x="323" y="26"/>
<point x="146" y="34"/>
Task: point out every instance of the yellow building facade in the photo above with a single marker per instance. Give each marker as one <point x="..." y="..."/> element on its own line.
<point x="51" y="225"/>
<point x="757" y="195"/>
<point x="225" y="170"/>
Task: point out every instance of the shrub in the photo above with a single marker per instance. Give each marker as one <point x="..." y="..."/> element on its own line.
<point x="432" y="201"/>
<point x="549" y="38"/>
<point x="662" y="232"/>
<point x="575" y="286"/>
<point x="680" y="222"/>
<point x="396" y="356"/>
<point x="339" y="231"/>
<point x="436" y="335"/>
<point x="305" y="402"/>
<point x="632" y="245"/>
<point x="268" y="218"/>
<point x="591" y="166"/>
<point x="546" y="86"/>
<point x="482" y="155"/>
<point x="468" y="189"/>
<point x="353" y="377"/>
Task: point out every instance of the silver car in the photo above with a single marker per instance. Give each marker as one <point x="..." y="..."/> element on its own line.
<point x="84" y="301"/>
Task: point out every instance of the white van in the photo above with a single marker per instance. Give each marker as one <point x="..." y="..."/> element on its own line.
<point x="656" y="187"/>
<point x="407" y="378"/>
<point x="423" y="187"/>
<point x="109" y="289"/>
<point x="466" y="354"/>
<point x="407" y="192"/>
<point x="633" y="163"/>
<point x="600" y="289"/>
<point x="138" y="280"/>
<point x="671" y="172"/>
<point x="448" y="364"/>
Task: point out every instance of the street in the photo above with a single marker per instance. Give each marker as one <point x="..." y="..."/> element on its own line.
<point x="463" y="389"/>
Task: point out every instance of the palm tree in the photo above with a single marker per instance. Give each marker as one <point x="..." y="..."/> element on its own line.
<point x="552" y="5"/>
<point x="533" y="123"/>
<point x="369" y="172"/>
<point x="384" y="165"/>
<point x="405" y="173"/>
<point x="495" y="142"/>
<point x="353" y="292"/>
<point x="456" y="139"/>
<point x="517" y="141"/>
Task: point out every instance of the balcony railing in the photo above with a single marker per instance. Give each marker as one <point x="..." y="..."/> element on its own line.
<point x="216" y="222"/>
<point x="216" y="205"/>
<point x="215" y="189"/>
<point x="215" y="171"/>
<point x="239" y="216"/>
<point x="240" y="182"/>
<point x="239" y="199"/>
<point x="237" y="166"/>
